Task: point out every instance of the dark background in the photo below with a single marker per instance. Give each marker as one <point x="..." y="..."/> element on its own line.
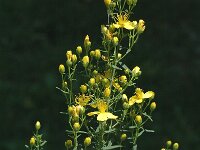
<point x="34" y="36"/>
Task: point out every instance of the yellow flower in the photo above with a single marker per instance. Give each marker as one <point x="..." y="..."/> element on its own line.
<point x="139" y="96"/>
<point x="102" y="115"/>
<point x="123" y="22"/>
<point x="82" y="100"/>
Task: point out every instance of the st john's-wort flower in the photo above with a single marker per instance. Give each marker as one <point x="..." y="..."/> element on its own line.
<point x="123" y="22"/>
<point x="140" y="96"/>
<point x="102" y="115"/>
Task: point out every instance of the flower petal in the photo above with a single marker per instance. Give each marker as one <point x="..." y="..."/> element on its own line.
<point x="102" y="117"/>
<point x="111" y="116"/>
<point x="138" y="101"/>
<point x="93" y="113"/>
<point x="132" y="100"/>
<point x="129" y="26"/>
<point x="116" y="25"/>
<point x="149" y="94"/>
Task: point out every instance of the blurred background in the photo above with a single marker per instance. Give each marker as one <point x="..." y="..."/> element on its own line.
<point x="34" y="36"/>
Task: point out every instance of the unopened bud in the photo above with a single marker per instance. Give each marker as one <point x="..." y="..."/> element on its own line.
<point x="175" y="146"/>
<point x="119" y="55"/>
<point x="168" y="144"/>
<point x="136" y="71"/>
<point x="124" y="98"/>
<point x="115" y="41"/>
<point x="68" y="144"/>
<point x="107" y="92"/>
<point x="87" y="141"/>
<point x="32" y="141"/>
<point x="140" y="27"/>
<point x="123" y="137"/>
<point x="123" y="79"/>
<point x="85" y="61"/>
<point x="125" y="105"/>
<point x="107" y="2"/>
<point x="74" y="58"/>
<point x="95" y="72"/>
<point x="83" y="88"/>
<point x="76" y="126"/>
<point x="92" y="81"/>
<point x="37" y="125"/>
<point x="153" y="106"/>
<point x="97" y="54"/>
<point x="92" y="53"/>
<point x="131" y="2"/>
<point x="79" y="50"/>
<point x="61" y="69"/>
<point x="138" y="119"/>
<point x="69" y="63"/>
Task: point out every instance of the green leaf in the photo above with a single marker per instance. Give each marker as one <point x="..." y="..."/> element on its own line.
<point x="149" y="117"/>
<point x="132" y="127"/>
<point x="151" y="131"/>
<point x="115" y="67"/>
<point x="141" y="132"/>
<point x="112" y="147"/>
<point x="27" y="146"/>
<point x="134" y="147"/>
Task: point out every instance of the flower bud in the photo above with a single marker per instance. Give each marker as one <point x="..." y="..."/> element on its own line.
<point x="163" y="149"/>
<point x="68" y="144"/>
<point x="140" y="27"/>
<point x="119" y="55"/>
<point x="69" y="55"/>
<point x="87" y="42"/>
<point x="74" y="58"/>
<point x="123" y="137"/>
<point x="168" y="144"/>
<point x="70" y="110"/>
<point x="97" y="54"/>
<point x="76" y="126"/>
<point x="131" y="2"/>
<point x="87" y="141"/>
<point x="92" y="53"/>
<point x="124" y="98"/>
<point x="107" y="92"/>
<point x="153" y="106"/>
<point x="123" y="79"/>
<point x="61" y="69"/>
<point x="69" y="63"/>
<point x="105" y="81"/>
<point x="107" y="2"/>
<point x="64" y="85"/>
<point x="126" y="71"/>
<point x="92" y="81"/>
<point x="37" y="125"/>
<point x="80" y="109"/>
<point x="115" y="41"/>
<point x="85" y="61"/>
<point x="175" y="146"/>
<point x="95" y="72"/>
<point x="136" y="71"/>
<point x="104" y="29"/>
<point x="125" y="105"/>
<point x="138" y="119"/>
<point x="32" y="141"/>
<point x="79" y="50"/>
<point x="83" y="88"/>
<point x="75" y="117"/>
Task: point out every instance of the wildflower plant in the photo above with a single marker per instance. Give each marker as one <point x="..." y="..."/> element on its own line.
<point x="101" y="115"/>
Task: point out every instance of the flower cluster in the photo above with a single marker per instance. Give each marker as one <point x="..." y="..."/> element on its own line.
<point x="102" y="112"/>
<point x="36" y="141"/>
